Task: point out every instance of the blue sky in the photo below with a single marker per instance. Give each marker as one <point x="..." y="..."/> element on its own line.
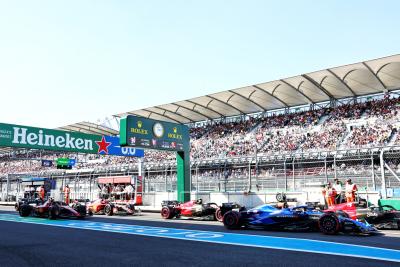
<point x="68" y="61"/>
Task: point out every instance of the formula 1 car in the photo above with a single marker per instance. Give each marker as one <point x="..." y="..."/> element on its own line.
<point x="52" y="210"/>
<point x="109" y="208"/>
<point x="382" y="217"/>
<point x="195" y="209"/>
<point x="302" y="218"/>
<point x="32" y="202"/>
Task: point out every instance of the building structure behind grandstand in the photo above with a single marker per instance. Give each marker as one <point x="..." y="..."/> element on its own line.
<point x="343" y="125"/>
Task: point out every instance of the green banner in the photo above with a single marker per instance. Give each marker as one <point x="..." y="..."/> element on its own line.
<point x="39" y="138"/>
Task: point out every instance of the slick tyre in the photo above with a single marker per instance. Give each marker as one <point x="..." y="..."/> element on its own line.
<point x="218" y="215"/>
<point x="25" y="210"/>
<point x="231" y="220"/>
<point x="281" y="197"/>
<point x="167" y="213"/>
<point x="109" y="210"/>
<point x="54" y="212"/>
<point x="131" y="209"/>
<point x="329" y="224"/>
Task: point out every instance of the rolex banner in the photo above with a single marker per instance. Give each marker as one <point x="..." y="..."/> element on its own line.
<point x="40" y="138"/>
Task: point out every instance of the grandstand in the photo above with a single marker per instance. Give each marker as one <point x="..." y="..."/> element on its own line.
<point x="285" y="135"/>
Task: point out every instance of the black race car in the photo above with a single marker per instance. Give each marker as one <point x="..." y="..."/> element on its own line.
<point x="195" y="209"/>
<point x="52" y="209"/>
<point x="383" y="217"/>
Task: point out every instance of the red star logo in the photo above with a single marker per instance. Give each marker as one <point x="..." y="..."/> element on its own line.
<point x="103" y="145"/>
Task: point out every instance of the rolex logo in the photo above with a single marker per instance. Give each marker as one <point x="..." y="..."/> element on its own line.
<point x="139" y="124"/>
<point x="175" y="130"/>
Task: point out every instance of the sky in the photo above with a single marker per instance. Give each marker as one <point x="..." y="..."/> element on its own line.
<point x="63" y="62"/>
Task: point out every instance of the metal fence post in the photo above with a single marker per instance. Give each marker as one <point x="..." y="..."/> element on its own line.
<point x="334" y="167"/>
<point x="384" y="193"/>
<point x="373" y="172"/>
<point x="7" y="186"/>
<point x="284" y="169"/>
<point x="326" y="171"/>
<point x="294" y="183"/>
<point x="249" y="177"/>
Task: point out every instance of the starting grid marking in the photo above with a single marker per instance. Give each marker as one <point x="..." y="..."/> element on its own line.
<point x="269" y="242"/>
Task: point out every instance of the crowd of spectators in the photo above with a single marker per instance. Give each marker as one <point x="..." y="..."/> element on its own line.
<point x="369" y="123"/>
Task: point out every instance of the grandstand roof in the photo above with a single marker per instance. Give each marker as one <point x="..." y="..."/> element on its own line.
<point x="89" y="128"/>
<point x="358" y="79"/>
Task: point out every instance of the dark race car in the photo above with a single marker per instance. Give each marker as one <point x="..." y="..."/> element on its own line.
<point x="53" y="209"/>
<point x="109" y="208"/>
<point x="302" y="218"/>
<point x="195" y="209"/>
<point x="382" y="217"/>
<point x="30" y="201"/>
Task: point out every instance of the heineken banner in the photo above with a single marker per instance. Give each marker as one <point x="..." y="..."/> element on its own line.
<point x="39" y="138"/>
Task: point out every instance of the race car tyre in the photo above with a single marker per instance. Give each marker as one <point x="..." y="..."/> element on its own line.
<point x="131" y="207"/>
<point x="281" y="197"/>
<point x="329" y="224"/>
<point x="218" y="215"/>
<point x="232" y="220"/>
<point x="167" y="212"/>
<point x="25" y="210"/>
<point x="81" y="209"/>
<point x="109" y="210"/>
<point x="54" y="212"/>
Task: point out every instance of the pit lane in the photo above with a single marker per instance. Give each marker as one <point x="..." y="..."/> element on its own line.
<point x="27" y="244"/>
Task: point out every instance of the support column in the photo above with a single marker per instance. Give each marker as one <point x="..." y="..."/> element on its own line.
<point x="183" y="175"/>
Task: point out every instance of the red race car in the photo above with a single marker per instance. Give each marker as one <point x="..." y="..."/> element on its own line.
<point x="53" y="209"/>
<point x="104" y="206"/>
<point x="195" y="209"/>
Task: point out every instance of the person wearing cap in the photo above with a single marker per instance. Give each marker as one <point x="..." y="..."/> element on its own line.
<point x="337" y="185"/>
<point x="351" y="190"/>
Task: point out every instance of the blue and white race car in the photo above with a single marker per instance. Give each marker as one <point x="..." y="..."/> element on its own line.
<point x="302" y="218"/>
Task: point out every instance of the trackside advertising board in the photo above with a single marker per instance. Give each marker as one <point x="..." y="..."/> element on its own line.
<point x="152" y="134"/>
<point x="40" y="138"/>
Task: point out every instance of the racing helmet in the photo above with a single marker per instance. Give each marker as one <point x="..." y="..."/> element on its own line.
<point x="199" y="201"/>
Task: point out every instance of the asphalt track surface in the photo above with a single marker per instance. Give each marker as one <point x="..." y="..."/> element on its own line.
<point x="25" y="244"/>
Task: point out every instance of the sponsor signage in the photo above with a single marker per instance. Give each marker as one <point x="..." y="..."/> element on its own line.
<point x="66" y="161"/>
<point x="146" y="133"/>
<point x="47" y="163"/>
<point x="47" y="139"/>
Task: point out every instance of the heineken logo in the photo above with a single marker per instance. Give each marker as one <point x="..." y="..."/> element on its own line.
<point x="23" y="137"/>
<point x="48" y="139"/>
